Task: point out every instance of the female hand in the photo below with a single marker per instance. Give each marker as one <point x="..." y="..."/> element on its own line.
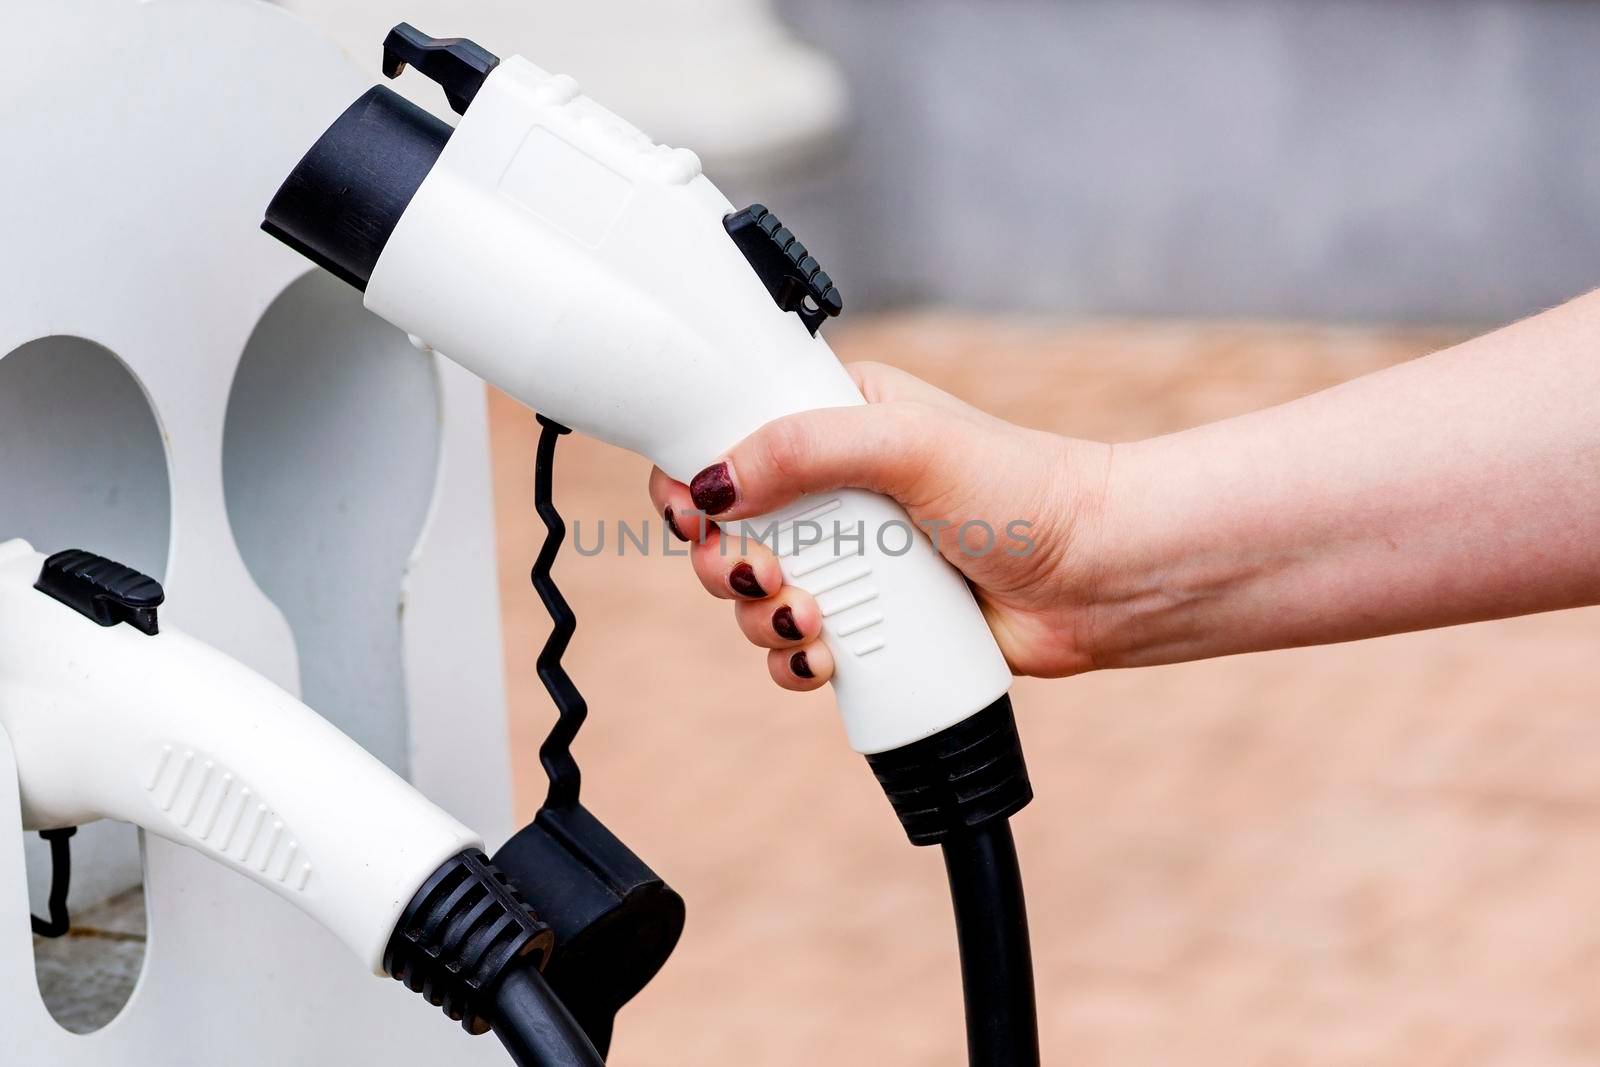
<point x="946" y="463"/>
<point x="1461" y="486"/>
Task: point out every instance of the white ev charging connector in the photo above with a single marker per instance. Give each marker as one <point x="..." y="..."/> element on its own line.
<point x="113" y="715"/>
<point x="601" y="279"/>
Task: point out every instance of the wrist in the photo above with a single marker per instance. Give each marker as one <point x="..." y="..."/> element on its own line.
<point x="1141" y="585"/>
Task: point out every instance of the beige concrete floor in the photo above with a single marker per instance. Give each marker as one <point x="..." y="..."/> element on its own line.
<point x="87" y="976"/>
<point x="1379" y="853"/>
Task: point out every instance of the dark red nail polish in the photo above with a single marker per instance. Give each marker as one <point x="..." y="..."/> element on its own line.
<point x="712" y="489"/>
<point x="742" y="579"/>
<point x="800" y="665"/>
<point x="672" y="524"/>
<point x="784" y="626"/>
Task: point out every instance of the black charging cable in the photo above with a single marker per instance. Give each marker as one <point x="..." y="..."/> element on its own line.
<point x="992" y="933"/>
<point x="469" y="944"/>
<point x="555" y="754"/>
<point x="58" y="923"/>
<point x="615" y="921"/>
<point x="958" y="789"/>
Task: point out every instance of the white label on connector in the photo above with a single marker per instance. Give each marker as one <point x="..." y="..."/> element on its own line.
<point x="565" y="186"/>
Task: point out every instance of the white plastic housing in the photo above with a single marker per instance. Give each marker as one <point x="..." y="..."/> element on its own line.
<point x="556" y="251"/>
<point x="171" y="735"/>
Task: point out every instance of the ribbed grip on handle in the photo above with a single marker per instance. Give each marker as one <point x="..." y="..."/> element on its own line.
<point x="463" y="931"/>
<point x="959" y="779"/>
<point x="912" y="652"/>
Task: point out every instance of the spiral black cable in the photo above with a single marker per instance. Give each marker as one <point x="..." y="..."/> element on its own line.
<point x="468" y="941"/>
<point x="571" y="709"/>
<point x="616" y="921"/>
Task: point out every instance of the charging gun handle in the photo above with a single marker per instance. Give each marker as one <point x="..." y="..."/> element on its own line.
<point x="142" y="723"/>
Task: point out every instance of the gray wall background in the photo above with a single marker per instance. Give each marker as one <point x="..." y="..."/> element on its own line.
<point x="1381" y="160"/>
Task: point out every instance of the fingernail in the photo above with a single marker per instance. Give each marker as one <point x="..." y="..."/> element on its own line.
<point x="784" y="626"/>
<point x="672" y="524"/>
<point x="742" y="579"/>
<point x="800" y="665"/>
<point x="712" y="489"/>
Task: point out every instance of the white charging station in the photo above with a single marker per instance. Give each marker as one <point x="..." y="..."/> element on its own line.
<point x="177" y="392"/>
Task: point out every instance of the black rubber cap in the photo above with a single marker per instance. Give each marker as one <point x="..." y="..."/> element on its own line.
<point x="459" y="937"/>
<point x="342" y="201"/>
<point x="961" y="778"/>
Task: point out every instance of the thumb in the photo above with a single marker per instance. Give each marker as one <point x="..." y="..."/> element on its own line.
<point x="887" y="448"/>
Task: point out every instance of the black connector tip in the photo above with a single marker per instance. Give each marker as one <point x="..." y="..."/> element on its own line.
<point x="342" y="201"/>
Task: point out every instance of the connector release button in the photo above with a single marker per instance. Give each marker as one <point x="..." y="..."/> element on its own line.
<point x="102" y="589"/>
<point x="791" y="274"/>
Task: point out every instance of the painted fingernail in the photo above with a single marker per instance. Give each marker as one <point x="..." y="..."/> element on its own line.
<point x="784" y="626"/>
<point x="742" y="579"/>
<point x="800" y="665"/>
<point x="672" y="524"/>
<point x="712" y="489"/>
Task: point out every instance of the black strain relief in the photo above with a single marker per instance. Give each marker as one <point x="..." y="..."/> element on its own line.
<point x="460" y="935"/>
<point x="959" y="779"/>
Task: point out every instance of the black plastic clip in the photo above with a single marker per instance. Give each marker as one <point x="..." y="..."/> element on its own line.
<point x="791" y="274"/>
<point x="457" y="64"/>
<point x="102" y="589"/>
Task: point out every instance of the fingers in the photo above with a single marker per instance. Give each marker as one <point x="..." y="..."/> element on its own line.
<point x="801" y="669"/>
<point x="887" y="448"/>
<point x="785" y="620"/>
<point x="676" y="508"/>
<point x="732" y="569"/>
<point x="772" y="615"/>
<point x="882" y="384"/>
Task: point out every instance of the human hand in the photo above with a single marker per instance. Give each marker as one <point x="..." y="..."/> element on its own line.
<point x="1011" y="508"/>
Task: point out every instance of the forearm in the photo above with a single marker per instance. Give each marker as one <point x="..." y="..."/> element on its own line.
<point x="1458" y="487"/>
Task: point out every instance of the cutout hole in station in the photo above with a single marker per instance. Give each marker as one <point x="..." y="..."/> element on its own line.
<point x="330" y="458"/>
<point x="84" y="464"/>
